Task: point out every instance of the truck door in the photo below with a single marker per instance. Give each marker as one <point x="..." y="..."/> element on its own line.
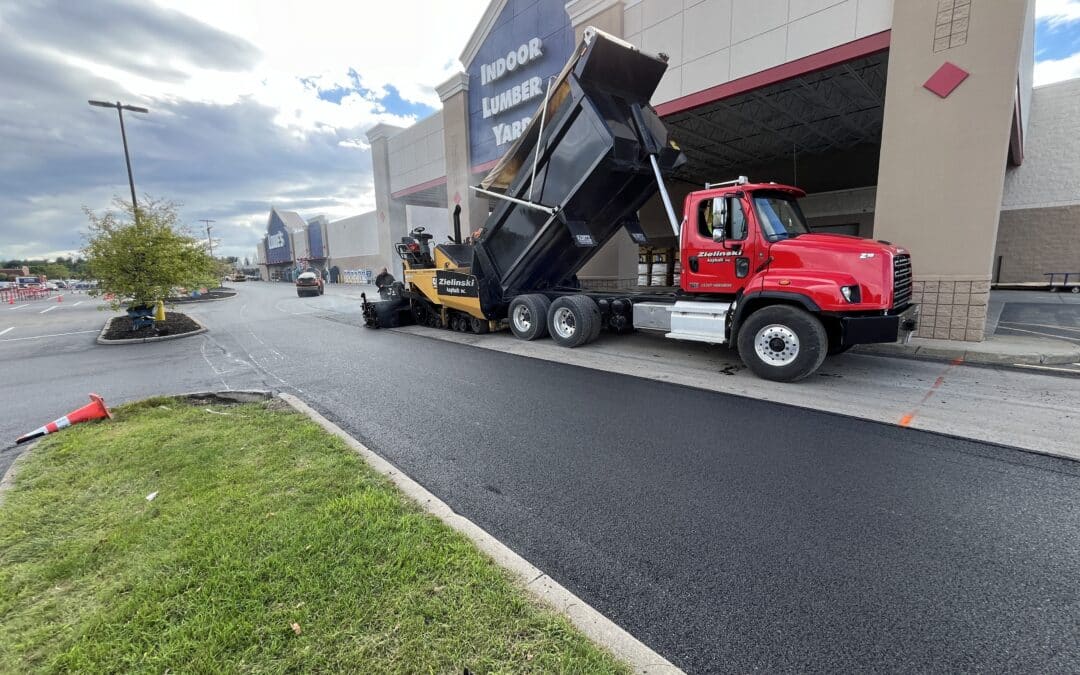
<point x="717" y="248"/>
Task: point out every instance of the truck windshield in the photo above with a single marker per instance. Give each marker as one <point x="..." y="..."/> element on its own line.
<point x="780" y="216"/>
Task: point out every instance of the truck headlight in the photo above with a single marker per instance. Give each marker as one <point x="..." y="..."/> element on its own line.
<point x="851" y="294"/>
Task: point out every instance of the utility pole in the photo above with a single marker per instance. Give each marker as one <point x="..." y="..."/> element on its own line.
<point x="209" y="241"/>
<point x="120" y="108"/>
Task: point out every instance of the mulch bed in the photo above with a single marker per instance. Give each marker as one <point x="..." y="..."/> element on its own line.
<point x="175" y="324"/>
<point x="213" y="294"/>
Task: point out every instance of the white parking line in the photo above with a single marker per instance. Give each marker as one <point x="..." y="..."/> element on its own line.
<point x="7" y="330"/>
<point x="38" y="337"/>
<point x="18" y="307"/>
<point x="49" y="309"/>
<point x="77" y="303"/>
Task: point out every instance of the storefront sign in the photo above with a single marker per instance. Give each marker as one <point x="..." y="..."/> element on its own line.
<point x="495" y="103"/>
<point x="275" y="240"/>
<point x="510" y="72"/>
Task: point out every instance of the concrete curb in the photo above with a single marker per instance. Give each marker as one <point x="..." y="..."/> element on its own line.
<point x="183" y="303"/>
<point x="941" y="353"/>
<point x="592" y="623"/>
<point x="160" y="338"/>
<point x="8" y="481"/>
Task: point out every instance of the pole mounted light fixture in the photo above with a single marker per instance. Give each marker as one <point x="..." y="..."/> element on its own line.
<point x="120" y="108"/>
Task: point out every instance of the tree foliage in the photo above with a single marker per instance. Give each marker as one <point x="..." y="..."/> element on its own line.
<point x="140" y="260"/>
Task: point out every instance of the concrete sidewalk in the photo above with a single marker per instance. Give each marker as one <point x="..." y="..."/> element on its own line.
<point x="1007" y="343"/>
<point x="998" y="350"/>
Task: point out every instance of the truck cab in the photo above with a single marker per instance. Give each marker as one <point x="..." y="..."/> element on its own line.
<point x="749" y="243"/>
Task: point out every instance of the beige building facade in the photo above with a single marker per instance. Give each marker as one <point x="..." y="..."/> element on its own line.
<point x="913" y="121"/>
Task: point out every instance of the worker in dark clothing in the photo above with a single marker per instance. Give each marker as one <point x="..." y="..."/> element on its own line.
<point x="383" y="282"/>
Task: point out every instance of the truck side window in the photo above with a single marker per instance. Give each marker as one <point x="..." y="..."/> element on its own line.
<point x="705" y="218"/>
<point x="708" y="218"/>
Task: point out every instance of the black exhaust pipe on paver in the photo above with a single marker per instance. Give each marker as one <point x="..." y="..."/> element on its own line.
<point x="457" y="224"/>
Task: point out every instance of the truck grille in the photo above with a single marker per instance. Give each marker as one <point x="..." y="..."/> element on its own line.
<point x="901" y="280"/>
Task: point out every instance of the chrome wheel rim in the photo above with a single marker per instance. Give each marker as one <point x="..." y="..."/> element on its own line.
<point x="776" y="345"/>
<point x="522" y="319"/>
<point x="564" y="323"/>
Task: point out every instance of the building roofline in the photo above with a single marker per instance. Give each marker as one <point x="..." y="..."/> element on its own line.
<point x="483" y="28"/>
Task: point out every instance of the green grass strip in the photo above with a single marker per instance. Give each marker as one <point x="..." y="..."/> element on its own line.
<point x="262" y="521"/>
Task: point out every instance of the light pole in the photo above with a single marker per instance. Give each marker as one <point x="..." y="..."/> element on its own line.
<point x="120" y="108"/>
<point x="209" y="241"/>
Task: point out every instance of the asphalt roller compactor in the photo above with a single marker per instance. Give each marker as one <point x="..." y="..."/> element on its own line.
<point x="593" y="154"/>
<point x="753" y="274"/>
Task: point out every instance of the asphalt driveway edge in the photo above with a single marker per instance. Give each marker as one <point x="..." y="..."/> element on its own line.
<point x="585" y="618"/>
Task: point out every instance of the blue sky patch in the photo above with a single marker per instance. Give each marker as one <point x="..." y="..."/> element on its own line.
<point x="392" y="102"/>
<point x="1056" y="41"/>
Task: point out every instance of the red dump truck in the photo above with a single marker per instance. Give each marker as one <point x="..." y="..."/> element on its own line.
<point x="753" y="274"/>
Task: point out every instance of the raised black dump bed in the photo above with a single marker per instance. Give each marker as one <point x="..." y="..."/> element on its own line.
<point x="590" y="158"/>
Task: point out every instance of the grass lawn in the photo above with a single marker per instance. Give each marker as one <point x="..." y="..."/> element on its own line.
<point x="270" y="547"/>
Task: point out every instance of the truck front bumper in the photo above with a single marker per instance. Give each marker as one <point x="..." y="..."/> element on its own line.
<point x="859" y="330"/>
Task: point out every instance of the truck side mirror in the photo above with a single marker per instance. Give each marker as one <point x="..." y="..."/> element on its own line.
<point x="718" y="234"/>
<point x="720" y="209"/>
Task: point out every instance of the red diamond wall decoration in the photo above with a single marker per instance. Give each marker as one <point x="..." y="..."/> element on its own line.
<point x="946" y="79"/>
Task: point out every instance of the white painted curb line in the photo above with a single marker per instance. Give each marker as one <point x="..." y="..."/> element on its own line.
<point x="592" y="623"/>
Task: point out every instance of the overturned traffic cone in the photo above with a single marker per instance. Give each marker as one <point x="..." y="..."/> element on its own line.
<point x="94" y="410"/>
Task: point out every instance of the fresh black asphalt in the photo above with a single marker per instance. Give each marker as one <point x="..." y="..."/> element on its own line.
<point x="727" y="533"/>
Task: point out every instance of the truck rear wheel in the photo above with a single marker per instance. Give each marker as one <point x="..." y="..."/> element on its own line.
<point x="782" y="343"/>
<point x="574" y="320"/>
<point x="528" y="316"/>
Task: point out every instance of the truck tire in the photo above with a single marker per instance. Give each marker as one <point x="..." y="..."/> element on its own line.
<point x="528" y="316"/>
<point x="574" y="320"/>
<point x="782" y="343"/>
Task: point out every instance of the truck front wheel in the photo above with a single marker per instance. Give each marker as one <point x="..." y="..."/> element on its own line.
<point x="528" y="316"/>
<point x="782" y="343"/>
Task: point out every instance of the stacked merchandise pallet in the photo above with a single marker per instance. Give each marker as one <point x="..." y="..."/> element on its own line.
<point x="658" y="266"/>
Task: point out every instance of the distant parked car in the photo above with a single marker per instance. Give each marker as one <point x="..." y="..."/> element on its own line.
<point x="309" y="283"/>
<point x="239" y="276"/>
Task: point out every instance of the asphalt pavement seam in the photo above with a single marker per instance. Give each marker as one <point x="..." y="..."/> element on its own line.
<point x="588" y="620"/>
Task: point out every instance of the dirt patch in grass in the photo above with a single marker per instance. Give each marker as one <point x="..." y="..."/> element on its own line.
<point x="175" y="324"/>
<point x="267" y="546"/>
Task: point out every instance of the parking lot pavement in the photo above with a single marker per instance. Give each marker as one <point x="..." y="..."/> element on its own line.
<point x="726" y="529"/>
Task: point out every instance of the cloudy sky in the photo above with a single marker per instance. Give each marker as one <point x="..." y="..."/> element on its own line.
<point x="253" y="103"/>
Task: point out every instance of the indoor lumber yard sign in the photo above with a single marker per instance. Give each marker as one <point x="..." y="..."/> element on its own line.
<point x="497" y="102"/>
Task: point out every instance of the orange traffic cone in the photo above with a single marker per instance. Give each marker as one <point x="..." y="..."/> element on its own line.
<point x="94" y="410"/>
<point x="59" y="298"/>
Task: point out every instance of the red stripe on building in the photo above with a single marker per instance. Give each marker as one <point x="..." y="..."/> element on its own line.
<point x="485" y="167"/>
<point x="871" y="44"/>
<point x="418" y="188"/>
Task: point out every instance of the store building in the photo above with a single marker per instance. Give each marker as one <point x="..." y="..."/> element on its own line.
<point x="345" y="250"/>
<point x="911" y="121"/>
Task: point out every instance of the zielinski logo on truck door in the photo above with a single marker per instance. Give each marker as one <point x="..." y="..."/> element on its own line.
<point x="455" y="283"/>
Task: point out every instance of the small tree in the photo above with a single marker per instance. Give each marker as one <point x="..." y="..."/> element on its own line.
<point x="140" y="261"/>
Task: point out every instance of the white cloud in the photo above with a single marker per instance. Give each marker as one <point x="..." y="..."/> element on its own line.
<point x="1056" y="70"/>
<point x="236" y="120"/>
<point x="1057" y="12"/>
<point x="411" y="45"/>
